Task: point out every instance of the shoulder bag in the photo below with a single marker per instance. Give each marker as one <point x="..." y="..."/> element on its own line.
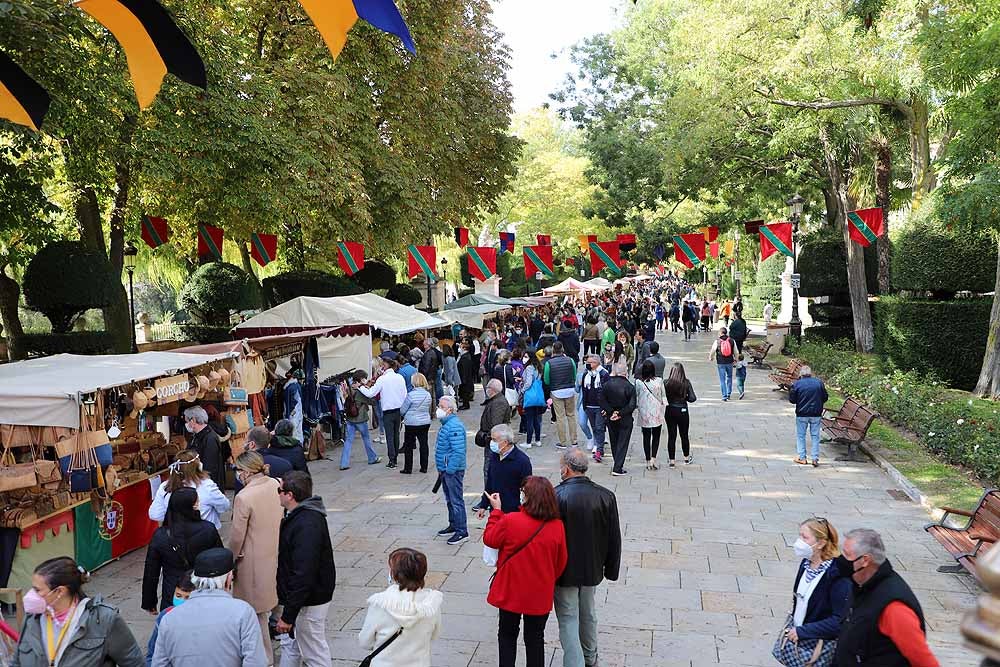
<point x="371" y="656"/>
<point x="805" y="652"/>
<point x="516" y="551"/>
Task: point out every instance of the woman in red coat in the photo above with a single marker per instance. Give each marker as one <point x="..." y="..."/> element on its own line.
<point x="532" y="545"/>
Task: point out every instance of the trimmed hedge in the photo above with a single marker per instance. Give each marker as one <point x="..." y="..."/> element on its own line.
<point x="931" y="258"/>
<point x="76" y="342"/>
<point x="65" y="279"/>
<point x="290" y="284"/>
<point x="404" y="294"/>
<point x="203" y="333"/>
<point x="823" y="265"/>
<point x="961" y="429"/>
<point x="755" y="297"/>
<point x="215" y="289"/>
<point x="943" y="338"/>
<point x="376" y="275"/>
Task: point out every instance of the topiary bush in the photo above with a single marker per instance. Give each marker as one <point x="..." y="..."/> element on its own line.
<point x="203" y="333"/>
<point x="64" y="279"/>
<point x="216" y="289"/>
<point x="376" y="275"/>
<point x="823" y="265"/>
<point x="933" y="258"/>
<point x="76" y="342"/>
<point x="404" y="294"/>
<point x="290" y="284"/>
<point x="910" y="335"/>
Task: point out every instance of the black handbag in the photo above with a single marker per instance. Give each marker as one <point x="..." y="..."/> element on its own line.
<point x="371" y="656"/>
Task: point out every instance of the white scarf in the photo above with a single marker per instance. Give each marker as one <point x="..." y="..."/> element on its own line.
<point x="593" y="379"/>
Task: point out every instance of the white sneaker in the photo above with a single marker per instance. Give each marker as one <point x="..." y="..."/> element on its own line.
<point x="524" y="445"/>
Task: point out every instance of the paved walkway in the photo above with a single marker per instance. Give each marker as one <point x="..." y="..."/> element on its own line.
<point x="707" y="570"/>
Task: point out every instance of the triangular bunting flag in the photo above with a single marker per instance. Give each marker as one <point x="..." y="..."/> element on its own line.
<point x="539" y="258"/>
<point x="264" y="248"/>
<point x="209" y="242"/>
<point x="713" y="249"/>
<point x="585" y="241"/>
<point x="729" y="247"/>
<point x="334" y="19"/>
<point x="543" y="239"/>
<point x="154" y="231"/>
<point x="506" y="242"/>
<point x="605" y="254"/>
<point x="865" y="226"/>
<point x="22" y="100"/>
<point x="462" y="236"/>
<point x="659" y="251"/>
<point x="482" y="262"/>
<point x="422" y="259"/>
<point x="570" y="261"/>
<point x="775" y="238"/>
<point x="626" y="242"/>
<point x="350" y="256"/>
<point x="152" y="42"/>
<point x="689" y="249"/>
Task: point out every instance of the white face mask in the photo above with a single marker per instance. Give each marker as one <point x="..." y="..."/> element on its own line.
<point x="441" y="413"/>
<point x="802" y="548"/>
<point x="522" y="497"/>
<point x="390" y="579"/>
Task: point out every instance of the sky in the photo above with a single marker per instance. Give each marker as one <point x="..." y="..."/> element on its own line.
<point x="537" y="29"/>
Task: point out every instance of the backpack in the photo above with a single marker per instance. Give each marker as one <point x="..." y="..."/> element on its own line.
<point x="726" y="347"/>
<point x="351" y="409"/>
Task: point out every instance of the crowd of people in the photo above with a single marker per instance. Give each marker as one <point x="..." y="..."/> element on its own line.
<point x="595" y="368"/>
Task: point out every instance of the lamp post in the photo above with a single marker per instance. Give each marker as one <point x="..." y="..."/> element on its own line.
<point x="739" y="276"/>
<point x="795" y="205"/>
<point x="704" y="275"/>
<point x="430" y="294"/>
<point x="538" y="278"/>
<point x="444" y="274"/>
<point x="129" y="253"/>
<point x="718" y="283"/>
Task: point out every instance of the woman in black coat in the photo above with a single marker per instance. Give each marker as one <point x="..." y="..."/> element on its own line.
<point x="183" y="535"/>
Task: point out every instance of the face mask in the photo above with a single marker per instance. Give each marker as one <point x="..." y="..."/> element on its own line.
<point x="441" y="414"/>
<point x="34" y="603"/>
<point x="802" y="548"/>
<point x="187" y="425"/>
<point x="845" y="566"/>
<point x="390" y="579"/>
<point x="525" y="360"/>
<point x="179" y="601"/>
<point x="522" y="497"/>
<point x="494" y="446"/>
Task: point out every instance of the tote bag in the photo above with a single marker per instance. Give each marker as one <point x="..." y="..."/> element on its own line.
<point x="805" y="652"/>
<point x="534" y="397"/>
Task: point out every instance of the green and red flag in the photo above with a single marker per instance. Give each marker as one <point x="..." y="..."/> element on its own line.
<point x="209" y="242"/>
<point x="350" y="256"/>
<point x="605" y="254"/>
<point x="543" y="239"/>
<point x="482" y="262"/>
<point x="866" y="225"/>
<point x="421" y="259"/>
<point x="538" y="258"/>
<point x="775" y="238"/>
<point x="462" y="236"/>
<point x="689" y="249"/>
<point x="264" y="248"/>
<point x="155" y="231"/>
<point x="626" y="242"/>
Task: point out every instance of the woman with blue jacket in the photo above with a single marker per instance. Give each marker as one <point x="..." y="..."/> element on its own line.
<point x="822" y="597"/>
<point x="416" y="411"/>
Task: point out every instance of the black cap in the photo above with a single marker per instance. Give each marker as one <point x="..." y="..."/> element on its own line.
<point x="213" y="562"/>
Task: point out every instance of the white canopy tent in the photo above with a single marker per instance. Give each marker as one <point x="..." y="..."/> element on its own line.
<point x="46" y="391"/>
<point x="568" y="286"/>
<point x="599" y="284"/>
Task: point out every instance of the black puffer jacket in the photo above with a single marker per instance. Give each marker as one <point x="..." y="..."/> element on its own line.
<point x="290" y="449"/>
<point x="593" y="534"/>
<point x="174" y="556"/>
<point x="307" y="575"/>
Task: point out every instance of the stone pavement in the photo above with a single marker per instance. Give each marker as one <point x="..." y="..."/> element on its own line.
<point x="707" y="570"/>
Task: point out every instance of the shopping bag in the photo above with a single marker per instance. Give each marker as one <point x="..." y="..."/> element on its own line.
<point x="13" y="475"/>
<point x="534" y="397"/>
<point x="805" y="652"/>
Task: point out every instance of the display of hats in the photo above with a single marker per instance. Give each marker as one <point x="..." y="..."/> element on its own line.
<point x="203" y="384"/>
<point x="213" y="379"/>
<point x="224" y="374"/>
<point x="191" y="395"/>
<point x="139" y="403"/>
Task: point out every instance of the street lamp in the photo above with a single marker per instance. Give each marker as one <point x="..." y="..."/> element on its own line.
<point x="737" y="273"/>
<point x="704" y="275"/>
<point x="444" y="274"/>
<point x="795" y="205"/>
<point x="538" y="278"/>
<point x="129" y="253"/>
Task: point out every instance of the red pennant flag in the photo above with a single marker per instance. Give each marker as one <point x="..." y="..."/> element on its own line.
<point x="209" y="242"/>
<point x="775" y="238"/>
<point x="155" y="231"/>
<point x="543" y="239"/>
<point x="264" y="248"/>
<point x="539" y="258"/>
<point x="462" y="236"/>
<point x="752" y="226"/>
<point x="865" y="226"/>
<point x="570" y="261"/>
<point x="350" y="256"/>
<point x="626" y="242"/>
<point x="605" y="254"/>
<point x="689" y="249"/>
<point x="421" y="259"/>
<point x="713" y="249"/>
<point x="482" y="262"/>
<point x="711" y="233"/>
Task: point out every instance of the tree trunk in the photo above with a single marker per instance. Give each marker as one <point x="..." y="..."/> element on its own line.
<point x="88" y="220"/>
<point x="924" y="179"/>
<point x="864" y="334"/>
<point x="294" y="247"/>
<point x="10" y="293"/>
<point x="246" y="260"/>
<point x="989" y="377"/>
<point x="883" y="196"/>
<point x="832" y="206"/>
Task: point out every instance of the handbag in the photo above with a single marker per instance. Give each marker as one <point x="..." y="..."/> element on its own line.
<point x="534" y="397"/>
<point x="14" y="475"/>
<point x="805" y="652"/>
<point x="490" y="556"/>
<point x="371" y="656"/>
<point x="482" y="438"/>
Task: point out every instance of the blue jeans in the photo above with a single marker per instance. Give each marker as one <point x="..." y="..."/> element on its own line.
<point x="725" y="379"/>
<point x="581" y="418"/>
<point x="362" y="428"/>
<point x="596" y="421"/>
<point x="741" y="380"/>
<point x="533" y="423"/>
<point x="803" y="424"/>
<point x="452" y="485"/>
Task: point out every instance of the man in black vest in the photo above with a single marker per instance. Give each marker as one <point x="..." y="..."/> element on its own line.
<point x="885" y="626"/>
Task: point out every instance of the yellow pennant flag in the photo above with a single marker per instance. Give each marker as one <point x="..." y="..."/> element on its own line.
<point x="730" y="247"/>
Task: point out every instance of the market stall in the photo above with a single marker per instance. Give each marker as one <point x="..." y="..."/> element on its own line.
<point x="569" y="287"/>
<point x="85" y="440"/>
<point x="600" y="284"/>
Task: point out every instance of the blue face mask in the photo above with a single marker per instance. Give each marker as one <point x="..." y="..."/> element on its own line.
<point x="494" y="446"/>
<point x="179" y="601"/>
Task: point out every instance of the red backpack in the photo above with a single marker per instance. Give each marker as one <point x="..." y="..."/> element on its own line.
<point x="726" y="347"/>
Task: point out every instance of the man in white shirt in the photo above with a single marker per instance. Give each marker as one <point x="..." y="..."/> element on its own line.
<point x="390" y="387"/>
